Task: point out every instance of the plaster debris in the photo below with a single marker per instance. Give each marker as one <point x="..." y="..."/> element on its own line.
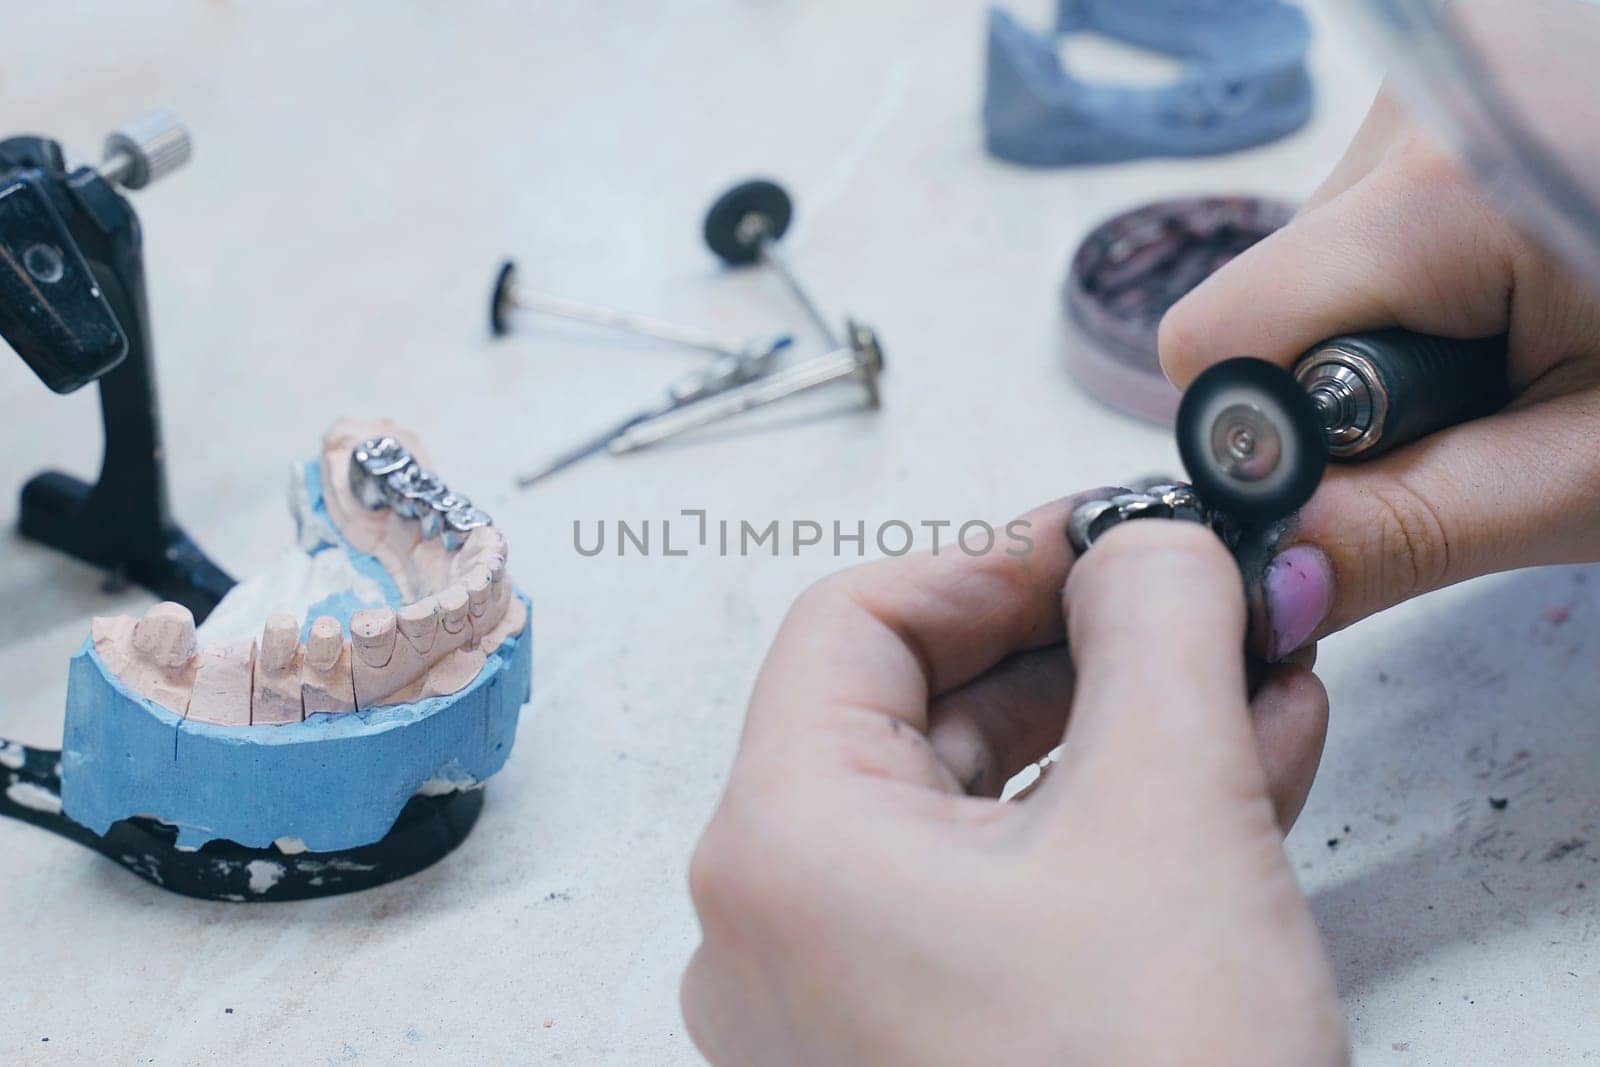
<point x="34" y="796"/>
<point x="12" y="755"/>
<point x="264" y="874"/>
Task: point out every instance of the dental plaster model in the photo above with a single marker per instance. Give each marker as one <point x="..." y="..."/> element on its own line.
<point x="269" y="731"/>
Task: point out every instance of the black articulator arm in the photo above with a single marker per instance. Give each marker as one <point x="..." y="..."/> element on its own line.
<point x="72" y="305"/>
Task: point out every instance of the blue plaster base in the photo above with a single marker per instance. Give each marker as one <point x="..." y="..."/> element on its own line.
<point x="333" y="782"/>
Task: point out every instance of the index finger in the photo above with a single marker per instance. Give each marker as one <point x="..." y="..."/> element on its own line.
<point x="875" y="644"/>
<point x="1409" y="245"/>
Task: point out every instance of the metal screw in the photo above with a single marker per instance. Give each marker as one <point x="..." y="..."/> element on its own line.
<point x="150" y="147"/>
<point x="744" y="226"/>
<point x="861" y="361"/>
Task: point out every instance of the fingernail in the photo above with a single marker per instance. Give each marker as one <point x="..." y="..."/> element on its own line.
<point x="1299" y="595"/>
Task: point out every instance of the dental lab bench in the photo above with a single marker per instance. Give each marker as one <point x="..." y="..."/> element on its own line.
<point x="357" y="173"/>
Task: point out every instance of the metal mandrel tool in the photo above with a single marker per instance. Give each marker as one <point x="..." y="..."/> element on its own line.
<point x="509" y="294"/>
<point x="861" y="360"/>
<point x="724" y="374"/>
<point x="744" y="226"/>
<point x="1255" y="438"/>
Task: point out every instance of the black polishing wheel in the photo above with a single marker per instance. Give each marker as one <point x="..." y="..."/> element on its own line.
<point x="755" y="197"/>
<point x="1251" y="440"/>
<point x="500" y="299"/>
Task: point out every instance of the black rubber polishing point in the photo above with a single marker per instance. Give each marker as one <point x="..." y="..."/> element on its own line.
<point x="1251" y="440"/>
<point x="725" y="233"/>
<point x="500" y="299"/>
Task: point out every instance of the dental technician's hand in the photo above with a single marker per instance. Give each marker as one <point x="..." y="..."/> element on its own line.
<point x="863" y="900"/>
<point x="1397" y="236"/>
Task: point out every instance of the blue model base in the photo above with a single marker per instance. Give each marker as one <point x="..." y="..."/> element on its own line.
<point x="1243" y="83"/>
<point x="330" y="783"/>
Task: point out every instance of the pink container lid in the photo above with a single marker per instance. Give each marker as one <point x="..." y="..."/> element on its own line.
<point x="1129" y="270"/>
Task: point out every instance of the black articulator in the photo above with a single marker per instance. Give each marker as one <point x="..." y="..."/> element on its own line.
<point x="72" y="305"/>
<point x="1255" y="438"/>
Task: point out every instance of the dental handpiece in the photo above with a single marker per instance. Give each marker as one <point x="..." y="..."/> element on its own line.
<point x="1255" y="438"/>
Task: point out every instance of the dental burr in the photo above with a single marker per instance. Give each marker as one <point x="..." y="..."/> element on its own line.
<point x="861" y="360"/>
<point x="744" y="226"/>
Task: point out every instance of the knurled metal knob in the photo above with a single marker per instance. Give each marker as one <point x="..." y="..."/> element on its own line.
<point x="150" y="147"/>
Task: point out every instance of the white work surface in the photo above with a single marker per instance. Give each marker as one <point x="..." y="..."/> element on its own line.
<point x="359" y="171"/>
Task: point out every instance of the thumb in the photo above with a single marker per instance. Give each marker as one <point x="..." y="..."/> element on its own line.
<point x="1513" y="490"/>
<point x="1156" y="625"/>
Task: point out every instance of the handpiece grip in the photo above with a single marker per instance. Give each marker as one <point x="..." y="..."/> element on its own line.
<point x="1418" y="384"/>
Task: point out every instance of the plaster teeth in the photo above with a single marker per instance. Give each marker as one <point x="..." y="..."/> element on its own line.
<point x="275" y="698"/>
<point x="372" y="633"/>
<point x="166" y="635"/>
<point x="280" y="641"/>
<point x="453" y="609"/>
<point x="324" y="643"/>
<point x="222" y="684"/>
<point x="483" y="543"/>
<point x="478" y="582"/>
<point x="326" y="682"/>
<point x="419" y="623"/>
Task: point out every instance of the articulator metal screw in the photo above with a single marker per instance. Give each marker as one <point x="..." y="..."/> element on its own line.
<point x="150" y="147"/>
<point x="744" y="226"/>
<point x="862" y="361"/>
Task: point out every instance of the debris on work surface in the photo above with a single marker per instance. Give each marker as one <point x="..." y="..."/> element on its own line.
<point x="1499" y="803"/>
<point x="1562" y="849"/>
<point x="1556" y="614"/>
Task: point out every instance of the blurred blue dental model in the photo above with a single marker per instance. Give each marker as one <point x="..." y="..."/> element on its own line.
<point x="1243" y="82"/>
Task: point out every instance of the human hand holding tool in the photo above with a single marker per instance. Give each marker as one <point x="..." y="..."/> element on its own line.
<point x="1398" y="237"/>
<point x="863" y="899"/>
